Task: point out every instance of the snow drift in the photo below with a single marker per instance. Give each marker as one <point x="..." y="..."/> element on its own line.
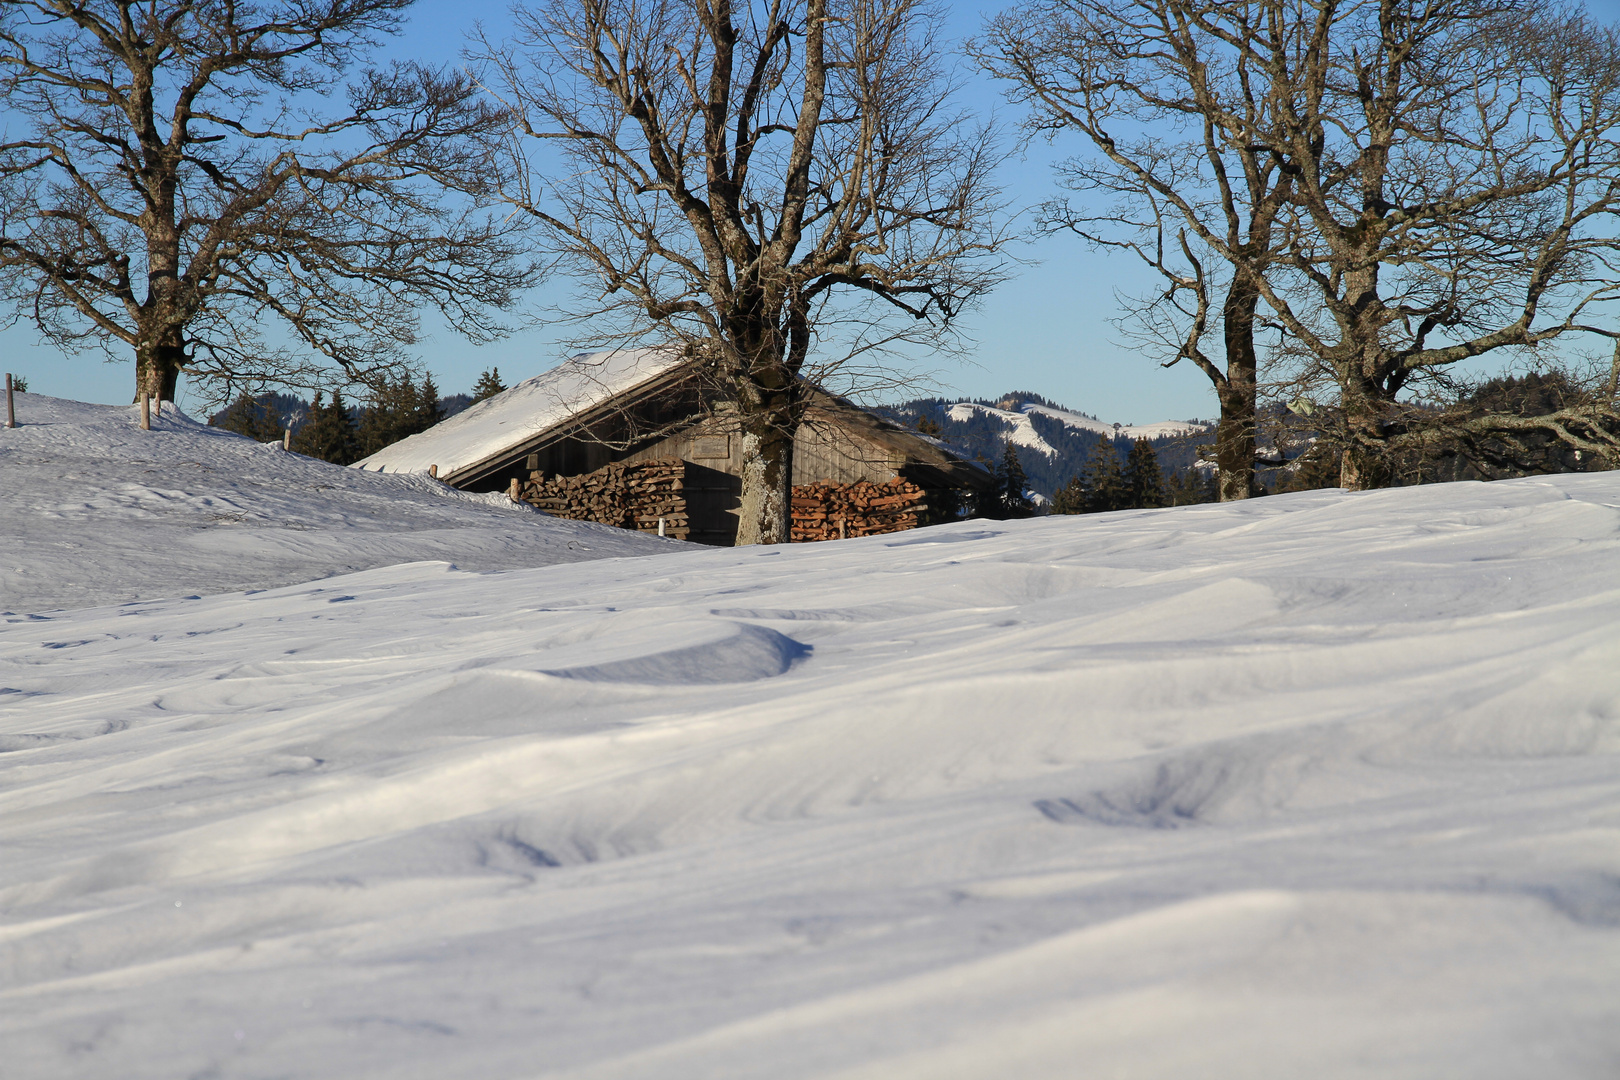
<point x="1321" y="784"/>
<point x="99" y="511"/>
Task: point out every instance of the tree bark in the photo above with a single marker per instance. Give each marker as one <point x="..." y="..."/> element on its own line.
<point x="769" y="410"/>
<point x="1234" y="438"/>
<point x="157" y="367"/>
<point x="767" y="485"/>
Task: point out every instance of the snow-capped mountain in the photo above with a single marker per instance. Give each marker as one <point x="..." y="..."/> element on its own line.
<point x="1053" y="442"/>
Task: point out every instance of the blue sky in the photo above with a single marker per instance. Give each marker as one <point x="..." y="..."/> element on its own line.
<point x="1049" y="329"/>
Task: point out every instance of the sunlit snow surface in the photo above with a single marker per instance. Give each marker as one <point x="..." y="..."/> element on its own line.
<point x="1322" y="785"/>
<point x="97" y="510"/>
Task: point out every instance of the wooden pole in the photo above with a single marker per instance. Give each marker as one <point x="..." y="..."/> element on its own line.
<point x="514" y="489"/>
<point x="11" y="409"/>
<point x="157" y="405"/>
<point x="286" y="439"/>
<point x="146" y="412"/>
<point x="433" y="471"/>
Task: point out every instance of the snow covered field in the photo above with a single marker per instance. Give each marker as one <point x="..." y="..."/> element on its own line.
<point x="98" y="511"/>
<point x="1323" y="785"/>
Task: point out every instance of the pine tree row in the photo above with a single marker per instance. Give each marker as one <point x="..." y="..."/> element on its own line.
<point x="334" y="431"/>
<point x="1103" y="484"/>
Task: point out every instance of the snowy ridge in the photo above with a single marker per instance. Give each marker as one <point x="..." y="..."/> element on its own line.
<point x="99" y="512"/>
<point x="1321" y="785"/>
<point x="489" y="426"/>
<point x="1161" y="430"/>
<point x="1021" y="432"/>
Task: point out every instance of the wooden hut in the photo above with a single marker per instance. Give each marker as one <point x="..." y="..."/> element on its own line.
<point x="627" y="437"/>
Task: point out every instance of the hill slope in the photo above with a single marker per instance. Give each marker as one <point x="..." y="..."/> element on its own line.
<point x="1316" y="785"/>
<point x="98" y="512"/>
<point x="1053" y="443"/>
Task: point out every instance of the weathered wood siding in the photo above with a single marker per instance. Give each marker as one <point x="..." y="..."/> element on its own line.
<point x="822" y="450"/>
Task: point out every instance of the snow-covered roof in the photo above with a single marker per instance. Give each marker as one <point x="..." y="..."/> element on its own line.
<point x="529" y="408"/>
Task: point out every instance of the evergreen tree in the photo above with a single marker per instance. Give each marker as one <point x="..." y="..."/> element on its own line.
<point x="1103" y="480"/>
<point x="1144" y="482"/>
<point x="398" y="410"/>
<point x="1071" y="498"/>
<point x="252" y="417"/>
<point x="388" y="416"/>
<point x="428" y="412"/>
<point x="1193" y="486"/>
<point x="329" y="434"/>
<point x="1015" y="502"/>
<point x="489" y="384"/>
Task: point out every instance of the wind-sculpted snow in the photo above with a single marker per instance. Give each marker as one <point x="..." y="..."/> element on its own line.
<point x="1318" y="785"/>
<point x="98" y="511"/>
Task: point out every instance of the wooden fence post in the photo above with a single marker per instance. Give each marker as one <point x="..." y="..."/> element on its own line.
<point x="146" y="412"/>
<point x="286" y="439"/>
<point x="11" y="410"/>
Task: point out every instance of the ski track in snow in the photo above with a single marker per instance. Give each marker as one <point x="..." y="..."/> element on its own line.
<point x="1320" y="784"/>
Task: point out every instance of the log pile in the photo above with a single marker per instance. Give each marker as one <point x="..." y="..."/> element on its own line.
<point x="826" y="510"/>
<point x="631" y="496"/>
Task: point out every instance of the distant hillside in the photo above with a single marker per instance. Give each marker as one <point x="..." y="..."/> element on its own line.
<point x="1053" y="442"/>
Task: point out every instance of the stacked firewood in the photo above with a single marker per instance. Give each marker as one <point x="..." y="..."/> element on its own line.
<point x="631" y="496"/>
<point x="826" y="510"/>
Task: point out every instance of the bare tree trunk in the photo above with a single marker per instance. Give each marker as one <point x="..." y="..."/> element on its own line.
<point x="1365" y="464"/>
<point x="767" y="484"/>
<point x="1234" y="439"/>
<point x="157" y="367"/>
<point x="768" y="406"/>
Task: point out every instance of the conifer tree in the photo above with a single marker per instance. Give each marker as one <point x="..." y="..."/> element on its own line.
<point x="329" y="434"/>
<point x="1015" y="503"/>
<point x="1191" y="487"/>
<point x="1144" y="481"/>
<point x="488" y="385"/>
<point x="1102" y="479"/>
<point x="428" y="411"/>
<point x="1071" y="498"/>
<point x="253" y="418"/>
<point x="388" y="415"/>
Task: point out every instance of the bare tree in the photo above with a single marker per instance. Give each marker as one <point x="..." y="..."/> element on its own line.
<point x="176" y="182"/>
<point x="1407" y="185"/>
<point x="1184" y="135"/>
<point x="738" y="179"/>
<point x="1458" y="177"/>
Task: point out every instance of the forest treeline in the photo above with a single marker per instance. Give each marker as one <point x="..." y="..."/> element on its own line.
<point x="331" y="429"/>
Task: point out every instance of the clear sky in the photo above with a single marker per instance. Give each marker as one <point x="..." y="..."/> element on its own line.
<point x="1049" y="329"/>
